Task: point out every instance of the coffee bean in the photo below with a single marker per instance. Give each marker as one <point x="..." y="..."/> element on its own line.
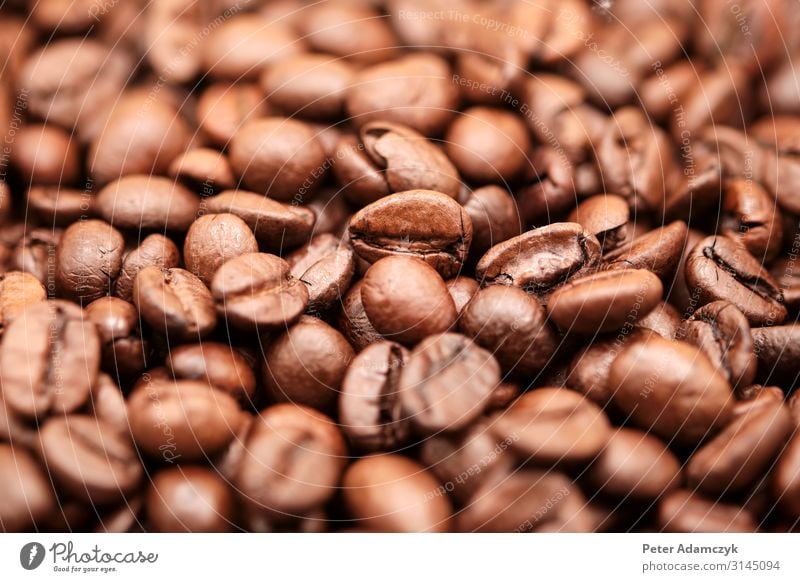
<point x="88" y="259"/>
<point x="778" y="349"/>
<point x="46" y="155"/>
<point x="203" y="170"/>
<point x="713" y="99"/>
<point x="606" y="217"/>
<point x="663" y="320"/>
<point x="549" y="191"/>
<point x="174" y="302"/>
<point x="124" y="350"/>
<point x="18" y="290"/>
<point x="750" y="215"/>
<point x="495" y="218"/>
<point x="658" y="251"/>
<point x="447" y="383"/>
<point x="212" y="240"/>
<point x="370" y="411"/>
<point x="155" y="250"/>
<point x="223" y="108"/>
<point x="605" y="301"/>
<point x="353" y="320"/>
<point x="722" y="332"/>
<point x="28" y="498"/>
<point x="219" y="364"/>
<point x="256" y="291"/>
<point x="293" y="461"/>
<point x="326" y="266"/>
<point x="540" y="260"/>
<point x="396" y="494"/>
<point x="49" y="360"/>
<point x="421" y="223"/>
<point x="60" y="206"/>
<point x="786" y="481"/>
<point x="181" y="419"/>
<point x="108" y="403"/>
<point x="720" y="268"/>
<point x="461" y="290"/>
<point x="170" y="24"/>
<point x="553" y="425"/>
<point x="89" y="459"/>
<point x="686" y="511"/>
<point x="190" y="499"/>
<point x="671" y="389"/>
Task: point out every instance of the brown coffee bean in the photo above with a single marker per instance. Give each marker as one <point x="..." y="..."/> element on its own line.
<point x="715" y="98"/>
<point x="214" y="239"/>
<point x="422" y="223"/>
<point x="426" y="103"/>
<point x="203" y="170"/>
<point x="778" y="349"/>
<point x="278" y="156"/>
<point x="88" y="259"/>
<point x="488" y="145"/>
<point x="696" y="190"/>
<point x="293" y="461"/>
<point x="219" y="364"/>
<point x="46" y="155"/>
<point x="155" y="250"/>
<point x="461" y="290"/>
<point x="149" y="203"/>
<point x="60" y="206"/>
<point x="190" y="499"/>
<point x="18" y="290"/>
<point x="108" y="403"/>
<point x="447" y="383"/>
<point x="124" y="350"/>
<point x="658" y="251"/>
<point x="406" y="300"/>
<point x="174" y="302"/>
<point x="392" y="493"/>
<point x="606" y="217"/>
<point x="35" y="253"/>
<point x="786" y="481"/>
<point x="722" y="332"/>
<point x="353" y="320"/>
<point x="637" y="464"/>
<point x="554" y="425"/>
<point x="541" y="259"/>
<point x="605" y="301"/>
<point x="222" y="109"/>
<point x="663" y="320"/>
<point x="511" y="325"/>
<point x="750" y="215"/>
<point x="370" y="411"/>
<point x="256" y="291"/>
<point x="326" y="266"/>
<point x="742" y="452"/>
<point x="720" y="268"/>
<point x="172" y="419"/>
<point x="306" y="364"/>
<point x="28" y="498"/>
<point x="788" y="278"/>
<point x="171" y="24"/>
<point x="671" y="389"/>
<point x="685" y="511"/>
<point x="49" y="360"/>
<point x="89" y="458"/>
<point x="495" y="218"/>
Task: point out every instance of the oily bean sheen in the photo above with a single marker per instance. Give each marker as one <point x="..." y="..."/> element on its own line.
<point x="370" y="411"/>
<point x="541" y="259"/>
<point x="256" y="291"/>
<point x="447" y="382"/>
<point x="554" y="425"/>
<point x="88" y="258"/>
<point x="721" y="268"/>
<point x="190" y="499"/>
<point x="49" y="360"/>
<point x="420" y="223"/>
<point x="390" y="493"/>
<point x="406" y="300"/>
<point x="672" y="389"/>
<point x="604" y="301"/>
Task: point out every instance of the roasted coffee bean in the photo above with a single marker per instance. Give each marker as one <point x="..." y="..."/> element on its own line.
<point x="174" y="302"/>
<point x="174" y="419"/>
<point x="716" y="97"/>
<point x="49" y="360"/>
<point x="742" y="452"/>
<point x="495" y="218"/>
<point x="720" y="268"/>
<point x="60" y="206"/>
<point x="155" y="250"/>
<point x="605" y="301"/>
<point x="28" y="498"/>
<point x="658" y="251"/>
<point x="35" y="253"/>
<point x="190" y="499"/>
<point x="88" y="259"/>
<point x="256" y="291"/>
<point x="685" y="511"/>
<point x="447" y="383"/>
<point x="671" y="389"/>
<point x="148" y="203"/>
<point x="223" y="108"/>
<point x="203" y="170"/>
<point x="18" y="290"/>
<point x="553" y="425"/>
<point x="124" y="350"/>
<point x="275" y="225"/>
<point x="722" y="332"/>
<point x="421" y="223"/>
<point x="212" y="240"/>
<point x="511" y="325"/>
<point x="788" y="278"/>
<point x="406" y="300"/>
<point x="169" y="24"/>
<point x="108" y="403"/>
<point x="663" y="320"/>
<point x="277" y="156"/>
<point x="370" y="411"/>
<point x="427" y="102"/>
<point x="778" y="349"/>
<point x="786" y="482"/>
<point x="293" y="461"/>
<point x="750" y="215"/>
<point x="606" y="217"/>
<point x="696" y="191"/>
<point x="89" y="458"/>
<point x="219" y="364"/>
<point x="462" y="289"/>
<point x="46" y="155"/>
<point x="540" y="260"/>
<point x="353" y="320"/>
<point x="488" y="145"/>
<point x="393" y="493"/>
<point x="549" y="191"/>
<point x="306" y="364"/>
<point x="637" y="464"/>
<point x="326" y="266"/>
<point x="332" y="212"/>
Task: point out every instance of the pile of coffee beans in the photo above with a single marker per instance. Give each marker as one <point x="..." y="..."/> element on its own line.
<point x="399" y="265"/>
